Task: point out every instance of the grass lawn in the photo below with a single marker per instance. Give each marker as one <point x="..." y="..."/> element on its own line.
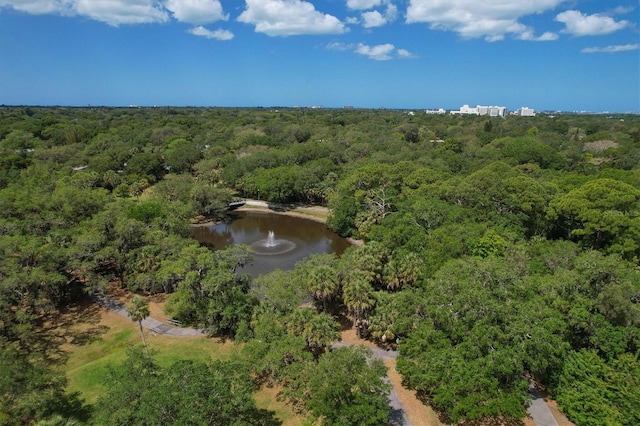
<point x="95" y="338"/>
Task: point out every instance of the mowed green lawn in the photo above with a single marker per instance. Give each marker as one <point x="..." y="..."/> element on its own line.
<point x="97" y="338"/>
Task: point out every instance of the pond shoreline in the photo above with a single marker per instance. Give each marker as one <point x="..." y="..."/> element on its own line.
<point x="315" y="213"/>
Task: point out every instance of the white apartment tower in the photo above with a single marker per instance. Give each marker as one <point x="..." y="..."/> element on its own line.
<point x="525" y="112"/>
<point x="492" y="111"/>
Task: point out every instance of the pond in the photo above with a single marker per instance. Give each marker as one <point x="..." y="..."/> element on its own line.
<point x="277" y="241"/>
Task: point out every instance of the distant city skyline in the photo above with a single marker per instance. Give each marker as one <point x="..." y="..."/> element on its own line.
<point x="549" y="55"/>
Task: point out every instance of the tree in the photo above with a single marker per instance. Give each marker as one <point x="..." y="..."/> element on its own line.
<point x="209" y="201"/>
<point x="209" y="292"/>
<point x="147" y="165"/>
<point x="274" y="355"/>
<point x="318" y="329"/>
<point x="525" y="149"/>
<point x="369" y="259"/>
<point x="342" y="216"/>
<point x="279" y="290"/>
<point x="375" y="188"/>
<point x="139" y="392"/>
<point x="322" y="283"/>
<point x="347" y="387"/>
<point x="138" y="309"/>
<point x="126" y="385"/>
<point x="602" y="214"/>
<point x="410" y="132"/>
<point x="395" y="315"/>
<point x="31" y="390"/>
<point x="481" y="329"/>
<point x="402" y="270"/>
<point x="529" y="199"/>
<point x="593" y="392"/>
<point x="357" y="295"/>
<point x="137" y="188"/>
<point x="180" y="155"/>
<point x="173" y="187"/>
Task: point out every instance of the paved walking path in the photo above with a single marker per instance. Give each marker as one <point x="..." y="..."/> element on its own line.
<point x="397" y="417"/>
<point x="149" y="323"/>
<point x="538" y="409"/>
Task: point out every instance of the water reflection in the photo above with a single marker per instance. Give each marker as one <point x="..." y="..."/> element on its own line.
<point x="249" y="227"/>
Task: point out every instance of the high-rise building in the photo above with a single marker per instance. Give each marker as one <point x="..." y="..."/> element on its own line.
<point x="492" y="111"/>
<point x="525" y="112"/>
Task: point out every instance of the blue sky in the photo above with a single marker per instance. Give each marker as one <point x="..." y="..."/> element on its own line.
<point x="569" y="55"/>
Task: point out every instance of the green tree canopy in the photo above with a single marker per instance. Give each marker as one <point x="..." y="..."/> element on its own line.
<point x="346" y="387"/>
<point x="139" y="392"/>
<point x="602" y="214"/>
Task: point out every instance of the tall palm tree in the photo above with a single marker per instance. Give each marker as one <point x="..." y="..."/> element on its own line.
<point x="138" y="309"/>
<point x="323" y="284"/>
<point x="409" y="268"/>
<point x="322" y="331"/>
<point x="357" y="295"/>
<point x="318" y="329"/>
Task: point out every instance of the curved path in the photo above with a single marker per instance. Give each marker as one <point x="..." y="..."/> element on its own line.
<point x="149" y="323"/>
<point x="397" y="417"/>
<point x="315" y="213"/>
<point x="537" y="409"/>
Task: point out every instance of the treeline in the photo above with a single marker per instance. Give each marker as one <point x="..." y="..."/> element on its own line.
<point x="497" y="251"/>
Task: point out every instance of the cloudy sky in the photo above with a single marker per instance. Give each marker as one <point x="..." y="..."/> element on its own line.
<point x="546" y="54"/>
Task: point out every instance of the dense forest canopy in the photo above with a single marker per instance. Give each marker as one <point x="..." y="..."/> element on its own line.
<point x="496" y="251"/>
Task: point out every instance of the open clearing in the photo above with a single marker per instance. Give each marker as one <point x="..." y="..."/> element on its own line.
<point x="95" y="338"/>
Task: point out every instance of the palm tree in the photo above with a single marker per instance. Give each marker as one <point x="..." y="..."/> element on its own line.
<point x="138" y="310"/>
<point x="409" y="268"/>
<point x="322" y="331"/>
<point x="401" y="271"/>
<point x="298" y="320"/>
<point x="323" y="284"/>
<point x="318" y="329"/>
<point x="357" y="295"/>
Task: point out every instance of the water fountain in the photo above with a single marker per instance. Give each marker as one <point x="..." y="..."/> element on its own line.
<point x="272" y="246"/>
<point x="271" y="239"/>
<point x="291" y="239"/>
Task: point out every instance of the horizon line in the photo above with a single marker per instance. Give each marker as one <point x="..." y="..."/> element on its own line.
<point x="315" y="107"/>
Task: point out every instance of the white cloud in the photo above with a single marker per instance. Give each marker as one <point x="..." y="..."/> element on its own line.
<point x="337" y="45"/>
<point x="117" y="12"/>
<point x="547" y="36"/>
<point x="289" y="17"/>
<point x="381" y="52"/>
<point x="112" y="12"/>
<point x="579" y="24"/>
<point x="363" y="4"/>
<point x="491" y="19"/>
<point x="611" y="49"/>
<point x="40" y="7"/>
<point x="391" y="13"/>
<point x="196" y="11"/>
<point x="405" y="54"/>
<point x="621" y="10"/>
<point x="217" y="34"/>
<point x="530" y="36"/>
<point x="373" y="19"/>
